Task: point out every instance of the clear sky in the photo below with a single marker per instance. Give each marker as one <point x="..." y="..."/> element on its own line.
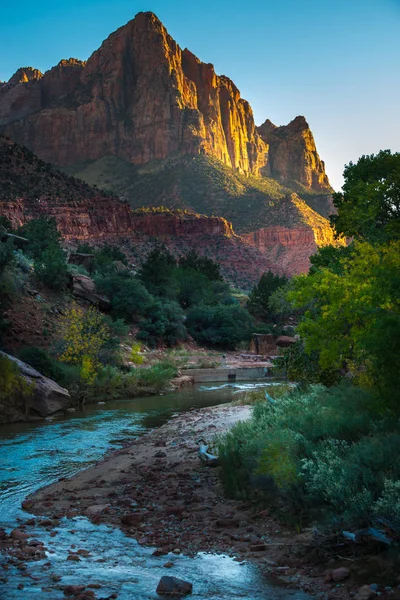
<point x="334" y="61"/>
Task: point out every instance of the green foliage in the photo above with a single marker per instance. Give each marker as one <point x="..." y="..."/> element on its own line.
<point x="41" y="234"/>
<point x="318" y="453"/>
<point x="260" y="296"/>
<point x="104" y="258"/>
<point x="220" y="325"/>
<point x="51" y="268"/>
<point x="209" y="268"/>
<point x="157" y="273"/>
<point x="369" y="206"/>
<point x="40" y="359"/>
<point x="15" y="391"/>
<point x="352" y="318"/>
<point x="129" y="298"/>
<point x="303" y="367"/>
<point x="163" y="323"/>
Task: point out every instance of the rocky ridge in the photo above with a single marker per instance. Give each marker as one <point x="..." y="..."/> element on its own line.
<point x="31" y="188"/>
<point x="140" y="97"/>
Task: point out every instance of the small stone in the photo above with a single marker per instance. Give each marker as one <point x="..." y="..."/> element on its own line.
<point x="365" y="593"/>
<point x="340" y="574"/>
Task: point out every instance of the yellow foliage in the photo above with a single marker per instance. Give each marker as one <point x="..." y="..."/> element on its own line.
<point x="135" y="355"/>
<point x="84" y="335"/>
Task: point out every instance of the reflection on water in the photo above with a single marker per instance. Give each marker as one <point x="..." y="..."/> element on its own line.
<point x="35" y="454"/>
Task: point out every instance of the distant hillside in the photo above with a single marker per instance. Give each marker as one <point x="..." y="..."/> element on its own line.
<point x="205" y="185"/>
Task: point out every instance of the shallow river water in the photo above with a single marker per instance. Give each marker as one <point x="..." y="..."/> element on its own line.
<point x="35" y="454"/>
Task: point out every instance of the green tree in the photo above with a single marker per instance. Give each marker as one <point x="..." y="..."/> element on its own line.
<point x="163" y="323"/>
<point x="369" y="205"/>
<point x="158" y="273"/>
<point x="129" y="298"/>
<point x="41" y="234"/>
<point x="352" y="317"/>
<point x="51" y="267"/>
<point x="222" y="326"/>
<point x="259" y="297"/>
<point x="202" y="264"/>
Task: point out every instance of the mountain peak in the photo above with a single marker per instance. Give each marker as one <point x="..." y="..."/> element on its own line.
<point x="25" y="74"/>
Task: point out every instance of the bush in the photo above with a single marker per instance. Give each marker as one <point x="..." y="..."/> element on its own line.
<point x="260" y="296"/>
<point x="223" y="326"/>
<point x="40" y="360"/>
<point x="158" y="274"/>
<point x="14" y="390"/>
<point x="41" y="234"/>
<point x="129" y="298"/>
<point x="51" y="268"/>
<point x="164" y="322"/>
<point x="321" y="452"/>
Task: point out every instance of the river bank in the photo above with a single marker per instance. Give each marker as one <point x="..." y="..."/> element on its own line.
<point x="158" y="492"/>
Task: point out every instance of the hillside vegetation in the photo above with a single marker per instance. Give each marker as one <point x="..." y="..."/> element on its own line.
<point x="205" y="185"/>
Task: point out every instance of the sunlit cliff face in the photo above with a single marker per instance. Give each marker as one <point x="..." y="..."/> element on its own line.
<point x="140" y="97"/>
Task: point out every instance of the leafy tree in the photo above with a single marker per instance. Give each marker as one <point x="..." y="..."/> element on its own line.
<point x="158" y="273"/>
<point x="164" y="322"/>
<point x="202" y="264"/>
<point x="223" y="326"/>
<point x="259" y="297"/>
<point x="369" y="205"/>
<point x="41" y="234"/>
<point x="129" y="298"/>
<point x="51" y="267"/>
<point x="352" y="318"/>
<point x="85" y="334"/>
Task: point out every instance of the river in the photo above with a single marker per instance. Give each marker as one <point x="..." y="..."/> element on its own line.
<point x="35" y="454"/>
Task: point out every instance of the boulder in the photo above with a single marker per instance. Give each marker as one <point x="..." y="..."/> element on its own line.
<point x="47" y="397"/>
<point x="263" y="343"/>
<point x="182" y="381"/>
<point x="284" y="341"/>
<point x="172" y="586"/>
<point x="84" y="287"/>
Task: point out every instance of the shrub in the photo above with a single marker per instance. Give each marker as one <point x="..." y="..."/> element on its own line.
<point x="84" y="336"/>
<point x="158" y="273"/>
<point x="40" y="360"/>
<point x="260" y="296"/>
<point x="41" y="234"/>
<point x="129" y="298"/>
<point x="321" y="452"/>
<point x="223" y="326"/>
<point x="51" y="268"/>
<point x="15" y="391"/>
<point x="163" y="322"/>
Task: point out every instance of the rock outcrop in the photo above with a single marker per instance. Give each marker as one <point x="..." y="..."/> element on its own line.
<point x="31" y="188"/>
<point x="293" y="155"/>
<point x="140" y="97"/>
<point x="47" y="396"/>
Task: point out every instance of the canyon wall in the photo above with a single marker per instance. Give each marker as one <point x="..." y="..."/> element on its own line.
<point x="140" y="97"/>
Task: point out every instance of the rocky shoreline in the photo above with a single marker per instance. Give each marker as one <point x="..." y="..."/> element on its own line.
<point x="158" y="491"/>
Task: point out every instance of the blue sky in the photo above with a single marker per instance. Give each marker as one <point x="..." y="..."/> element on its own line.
<point x="335" y="62"/>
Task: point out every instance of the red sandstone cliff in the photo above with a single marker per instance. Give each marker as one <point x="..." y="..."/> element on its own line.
<point x="293" y="155"/>
<point x="138" y="97"/>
